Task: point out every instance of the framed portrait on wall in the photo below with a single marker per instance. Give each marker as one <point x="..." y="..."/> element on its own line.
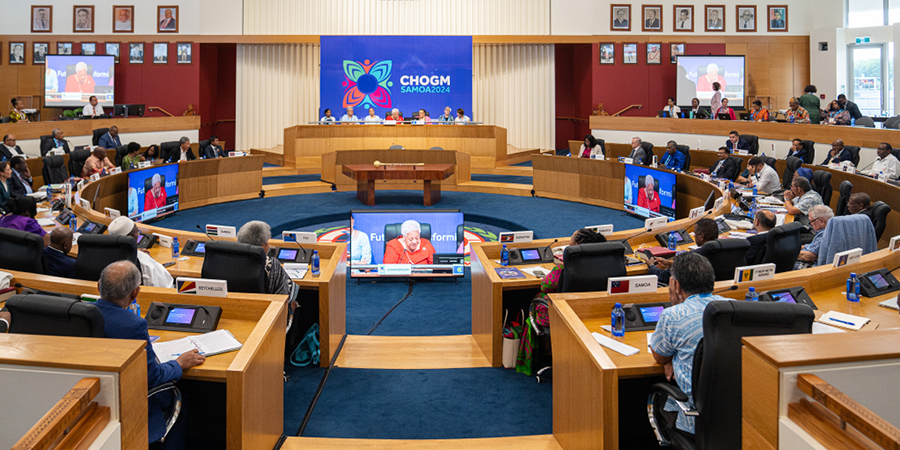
<point x="620" y="17"/>
<point x="88" y="48"/>
<point x="675" y="50"/>
<point x="136" y="53"/>
<point x="123" y="19"/>
<point x="629" y="53"/>
<point x="715" y="17"/>
<point x="83" y="18"/>
<point x="39" y="53"/>
<point x="777" y="17"/>
<point x="167" y="16"/>
<point x="113" y="50"/>
<point x="63" y="48"/>
<point x="652" y="17"/>
<point x="160" y="53"/>
<point x="654" y="53"/>
<point x="17" y="53"/>
<point x="42" y="19"/>
<point x="607" y="53"/>
<point x="746" y="18"/>
<point x="683" y="16"/>
<point x="183" y="53"/>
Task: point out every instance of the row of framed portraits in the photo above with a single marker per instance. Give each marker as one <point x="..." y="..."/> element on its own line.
<point x="713" y="18"/>
<point x="166" y="19"/>
<point x="160" y="51"/>
<point x="630" y="53"/>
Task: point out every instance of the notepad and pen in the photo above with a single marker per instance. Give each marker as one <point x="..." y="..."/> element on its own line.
<point x="841" y="320"/>
<point x="209" y="344"/>
<point x="615" y="345"/>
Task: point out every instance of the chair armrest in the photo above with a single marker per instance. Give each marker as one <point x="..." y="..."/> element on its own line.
<point x="160" y="388"/>
<point x="671" y="390"/>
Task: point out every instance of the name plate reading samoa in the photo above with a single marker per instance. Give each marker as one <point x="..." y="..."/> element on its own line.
<point x="631" y="285"/>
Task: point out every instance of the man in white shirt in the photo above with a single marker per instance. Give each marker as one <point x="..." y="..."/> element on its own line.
<point x="349" y="116"/>
<point x="152" y="272"/>
<point x="186" y="153"/>
<point x="684" y="22"/>
<point x="764" y="177"/>
<point x="885" y="163"/>
<point x="9" y="149"/>
<point x="461" y="117"/>
<point x="92" y="110"/>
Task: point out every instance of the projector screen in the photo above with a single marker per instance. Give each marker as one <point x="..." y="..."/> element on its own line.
<point x="70" y="80"/>
<point x="696" y="75"/>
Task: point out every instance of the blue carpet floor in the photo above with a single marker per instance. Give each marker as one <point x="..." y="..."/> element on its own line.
<point x="298" y="394"/>
<point x="502" y="178"/>
<point x="291" y="179"/>
<point x="524" y="164"/>
<point x="265" y="164"/>
<point x="431" y="404"/>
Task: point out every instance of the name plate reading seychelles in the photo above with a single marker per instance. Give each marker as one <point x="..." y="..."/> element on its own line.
<point x="696" y="212"/>
<point x="754" y="273"/>
<point x="202" y="286"/>
<point x="847" y="257"/>
<point x="303" y="237"/>
<point x="631" y="285"/>
<point x="601" y="229"/>
<point x="517" y="236"/>
<point x="655" y="222"/>
<point x="221" y="230"/>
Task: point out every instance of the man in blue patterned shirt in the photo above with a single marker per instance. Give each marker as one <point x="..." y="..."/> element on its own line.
<point x="819" y="216"/>
<point x="680" y="327"/>
<point x="800" y="198"/>
<point x="672" y="158"/>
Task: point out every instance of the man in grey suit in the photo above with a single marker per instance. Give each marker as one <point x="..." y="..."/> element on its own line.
<point x="715" y="23"/>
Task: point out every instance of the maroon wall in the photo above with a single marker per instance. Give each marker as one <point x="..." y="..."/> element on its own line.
<point x="217" y="92"/>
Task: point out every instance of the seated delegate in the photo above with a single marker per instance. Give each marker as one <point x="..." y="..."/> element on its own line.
<point x="132" y="158"/>
<point x="838" y="154"/>
<point x="680" y="328"/>
<point x="110" y="140"/>
<point x="56" y="141"/>
<point x="258" y="233"/>
<point x="757" y="113"/>
<point x="796" y="113"/>
<point x="800" y="199"/>
<point x="763" y="222"/>
<point x="590" y="148"/>
<point x="461" y="117"/>
<point x="447" y="117"/>
<point x="724" y="109"/>
<point x="409" y="247"/>
<point x="724" y="167"/>
<point x="22" y="211"/>
<point x="92" y="109"/>
<point x="422" y="115"/>
<point x="9" y="149"/>
<point x="5" y="184"/>
<point x="21" y="181"/>
<point x="672" y="110"/>
<point x="214" y="150"/>
<point x="327" y="117"/>
<point x="550" y="282"/>
<point x="349" y="117"/>
<point x="762" y="176"/>
<point x="735" y="142"/>
<point x="185" y="153"/>
<point x="395" y="116"/>
<point x="819" y="216"/>
<point x="697" y="111"/>
<point x="886" y="163"/>
<point x="673" y="159"/>
<point x="97" y="163"/>
<point x="152" y="272"/>
<point x="835" y="114"/>
<point x="637" y="154"/>
<point x="59" y="263"/>
<point x="860" y="203"/>
<point x="797" y="150"/>
<point x="372" y="118"/>
<point x="119" y="285"/>
<point x="705" y="230"/>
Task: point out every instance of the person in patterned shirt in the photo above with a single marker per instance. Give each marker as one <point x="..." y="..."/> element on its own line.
<point x="550" y="282"/>
<point x="796" y="113"/>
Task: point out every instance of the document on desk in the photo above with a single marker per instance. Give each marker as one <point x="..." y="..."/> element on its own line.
<point x="841" y="320"/>
<point x="890" y="304"/>
<point x="209" y="344"/>
<point x="821" y="328"/>
<point x="615" y="345"/>
<point x="535" y="271"/>
<point x="46" y="222"/>
<point x="296" y="271"/>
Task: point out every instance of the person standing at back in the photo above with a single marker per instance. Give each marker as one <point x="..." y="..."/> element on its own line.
<point x="716" y="101"/>
<point x="810" y="102"/>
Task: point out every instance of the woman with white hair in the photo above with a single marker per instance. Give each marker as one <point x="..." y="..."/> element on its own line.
<point x="80" y="81"/>
<point x="395" y="116"/>
<point x="156" y="196"/>
<point x="409" y="247"/>
<point x="258" y="233"/>
<point x="647" y="195"/>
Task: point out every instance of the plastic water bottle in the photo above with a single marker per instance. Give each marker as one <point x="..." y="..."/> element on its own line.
<point x="852" y="121"/>
<point x="853" y="288"/>
<point x="792" y="118"/>
<point x="504" y="256"/>
<point x="673" y="241"/>
<point x="134" y="308"/>
<point x="49" y="192"/>
<point x="618" y="321"/>
<point x="315" y="263"/>
<point x="73" y="223"/>
<point x="754" y="206"/>
<point x="751" y="296"/>
<point x="175" y="247"/>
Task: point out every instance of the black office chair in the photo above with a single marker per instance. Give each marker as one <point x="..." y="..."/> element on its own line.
<point x="810" y="147"/>
<point x="121" y="152"/>
<point x="770" y="161"/>
<point x="844" y="197"/>
<point x="790" y="167"/>
<point x="892" y="122"/>
<point x="865" y="122"/>
<point x="588" y="267"/>
<point x="880" y="211"/>
<point x="5" y="119"/>
<point x="76" y="161"/>
<point x="166" y="149"/>
<point x="716" y="371"/>
<point x="203" y="144"/>
<point x="822" y="185"/>
<point x="45" y="138"/>
<point x="54" y="316"/>
<point x="98" y="133"/>
<point x="854" y="152"/>
<point x="22" y="251"/>
<point x="782" y="247"/>
<point x="686" y="151"/>
<point x="753" y="141"/>
<point x="243" y="266"/>
<point x="648" y="153"/>
<point x="740" y="164"/>
<point x="54" y="171"/>
<point x="392" y="231"/>
<point x="96" y="251"/>
<point x="725" y="256"/>
<point x="896" y="151"/>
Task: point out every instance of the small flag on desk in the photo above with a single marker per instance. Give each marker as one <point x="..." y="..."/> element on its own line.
<point x="187" y="287"/>
<point x="746" y="275"/>
<point x="619" y="287"/>
<point x="212" y="230"/>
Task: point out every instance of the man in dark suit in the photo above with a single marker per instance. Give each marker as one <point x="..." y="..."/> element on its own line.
<point x="184" y="153"/>
<point x="851" y="107"/>
<point x="168" y="22"/>
<point x="59" y="263"/>
<point x="778" y="21"/>
<point x="621" y="22"/>
<point x="838" y="154"/>
<point x="10" y="149"/>
<point x="762" y="223"/>
<point x="119" y="285"/>
<point x="651" y="22"/>
<point x="214" y="150"/>
<point x="56" y="140"/>
<point x="860" y="203"/>
<point x="797" y="150"/>
<point x="725" y="166"/>
<point x="735" y="142"/>
<point x="22" y="183"/>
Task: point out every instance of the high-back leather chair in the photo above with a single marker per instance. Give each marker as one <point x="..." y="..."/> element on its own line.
<point x="753" y="141"/>
<point x="686" y="151"/>
<point x="392" y="231"/>
<point x="76" y="161"/>
<point x="770" y="161"/>
<point x="21" y="251"/>
<point x="588" y="267"/>
<point x="45" y="138"/>
<point x="716" y="371"/>
<point x="54" y="170"/>
<point x="121" y="152"/>
<point x="96" y="251"/>
<point x="822" y="185"/>
<point x="243" y="266"/>
<point x="854" y="152"/>
<point x="98" y="133"/>
<point x="166" y="148"/>
<point x="202" y="147"/>
<point x="880" y="211"/>
<point x="892" y="122"/>
<point x="790" y="167"/>
<point x="54" y="316"/>
<point x="648" y="153"/>
<point x="844" y="197"/>
<point x="782" y="247"/>
<point x="739" y="162"/>
<point x="810" y="147"/>
<point x="725" y="256"/>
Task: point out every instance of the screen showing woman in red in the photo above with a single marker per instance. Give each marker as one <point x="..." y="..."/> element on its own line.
<point x="409" y="247"/>
<point x="156" y="196"/>
<point x="647" y="196"/>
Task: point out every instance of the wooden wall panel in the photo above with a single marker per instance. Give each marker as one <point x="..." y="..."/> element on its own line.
<point x="775" y="66"/>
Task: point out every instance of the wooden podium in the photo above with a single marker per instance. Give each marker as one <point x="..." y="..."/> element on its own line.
<point x="366" y="174"/>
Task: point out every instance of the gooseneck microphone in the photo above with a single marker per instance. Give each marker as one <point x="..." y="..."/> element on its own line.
<point x="733" y="287"/>
<point x="548" y="247"/>
<point x="204" y="232"/>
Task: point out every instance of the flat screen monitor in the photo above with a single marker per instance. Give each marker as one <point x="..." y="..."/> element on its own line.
<point x="71" y="80"/>
<point x="696" y="74"/>
<point x="152" y="192"/>
<point x="649" y="192"/>
<point x="402" y="243"/>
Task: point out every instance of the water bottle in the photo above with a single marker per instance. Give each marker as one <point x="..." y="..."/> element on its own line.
<point x="853" y="288"/>
<point x="134" y="308"/>
<point x="49" y="192"/>
<point x="73" y="223"/>
<point x="755" y="191"/>
<point x="792" y="118"/>
<point x="852" y="121"/>
<point x="673" y="241"/>
<point x="751" y="296"/>
<point x="504" y="256"/>
<point x="618" y="321"/>
<point x="175" y="247"/>
<point x="315" y="263"/>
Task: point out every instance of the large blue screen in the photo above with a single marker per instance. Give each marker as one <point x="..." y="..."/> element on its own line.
<point x="404" y="72"/>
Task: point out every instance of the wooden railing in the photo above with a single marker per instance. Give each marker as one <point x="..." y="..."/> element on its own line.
<point x="828" y="416"/>
<point x="629" y="107"/>
<point x="73" y="423"/>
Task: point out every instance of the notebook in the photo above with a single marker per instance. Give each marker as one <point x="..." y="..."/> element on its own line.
<point x="209" y="344"/>
<point x="841" y="320"/>
<point x="615" y="345"/>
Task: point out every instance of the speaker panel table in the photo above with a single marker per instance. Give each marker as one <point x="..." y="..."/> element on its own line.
<point x="430" y="174"/>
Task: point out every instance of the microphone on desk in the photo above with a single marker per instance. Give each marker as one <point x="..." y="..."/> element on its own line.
<point x="204" y="232"/>
<point x="864" y="168"/>
<point x="733" y="287"/>
<point x="548" y="247"/>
